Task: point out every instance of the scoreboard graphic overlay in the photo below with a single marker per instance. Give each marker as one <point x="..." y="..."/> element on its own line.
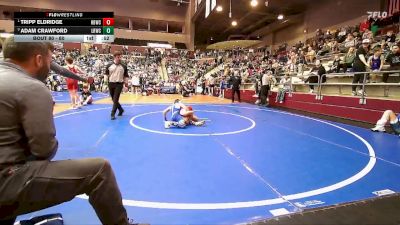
<point x="91" y="27"/>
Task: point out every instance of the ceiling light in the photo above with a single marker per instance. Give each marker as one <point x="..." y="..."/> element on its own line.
<point x="219" y="8"/>
<point x="234" y="23"/>
<point x="254" y="3"/>
<point x="280" y="17"/>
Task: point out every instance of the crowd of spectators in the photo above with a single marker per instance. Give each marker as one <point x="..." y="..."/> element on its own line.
<point x="142" y="68"/>
<point x="207" y="72"/>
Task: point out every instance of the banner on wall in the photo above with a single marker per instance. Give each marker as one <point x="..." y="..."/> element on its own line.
<point x="210" y="5"/>
<point x="213" y="4"/>
<point x="393" y="7"/>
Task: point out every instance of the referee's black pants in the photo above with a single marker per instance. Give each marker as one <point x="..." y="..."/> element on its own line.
<point x="115" y="92"/>
<point x="235" y="90"/>
<point x="264" y="94"/>
<point x="358" y="78"/>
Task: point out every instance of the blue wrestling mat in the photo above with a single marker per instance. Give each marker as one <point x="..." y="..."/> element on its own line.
<point x="247" y="163"/>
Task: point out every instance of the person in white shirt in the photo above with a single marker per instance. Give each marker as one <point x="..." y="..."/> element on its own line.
<point x="211" y="83"/>
<point x="135" y="82"/>
<point x="266" y="81"/>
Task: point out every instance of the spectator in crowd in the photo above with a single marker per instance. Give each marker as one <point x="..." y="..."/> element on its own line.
<point x="350" y="42"/>
<point x="211" y="82"/>
<point x="301" y="62"/>
<point x="394" y="61"/>
<point x="324" y="49"/>
<point x="29" y="179"/>
<point x="284" y="87"/>
<point x="388" y="116"/>
<point x="135" y="82"/>
<point x="365" y="25"/>
<point x="203" y="86"/>
<point x="386" y="50"/>
<point x="335" y="47"/>
<point x="367" y="35"/>
<point x="90" y="81"/>
<point x="335" y="68"/>
<point x="390" y="38"/>
<point x="222" y="87"/>
<point x="311" y="55"/>
<point x="348" y="59"/>
<point x="315" y="75"/>
<point x="342" y="34"/>
<point x="86" y="97"/>
<point x="376" y="63"/>
<point x="250" y="64"/>
<point x="265" y="85"/>
<point x="235" y="81"/>
<point x="186" y="89"/>
<point x="118" y="74"/>
<point x="360" y="65"/>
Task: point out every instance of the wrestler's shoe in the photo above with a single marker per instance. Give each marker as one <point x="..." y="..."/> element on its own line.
<point x="199" y="123"/>
<point x="167" y="124"/>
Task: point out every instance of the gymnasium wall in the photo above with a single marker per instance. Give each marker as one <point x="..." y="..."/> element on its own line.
<point x="7" y="25"/>
<point x="151" y="36"/>
<point x="189" y="28"/>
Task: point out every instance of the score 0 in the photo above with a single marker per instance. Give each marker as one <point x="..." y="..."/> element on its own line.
<point x="108" y="21"/>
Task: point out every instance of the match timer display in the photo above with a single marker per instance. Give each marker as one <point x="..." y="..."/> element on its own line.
<point x="92" y="27"/>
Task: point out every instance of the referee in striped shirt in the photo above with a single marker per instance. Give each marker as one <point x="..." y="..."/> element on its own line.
<point x="117" y="76"/>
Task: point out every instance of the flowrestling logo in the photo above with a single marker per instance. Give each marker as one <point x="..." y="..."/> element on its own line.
<point x="377" y="14"/>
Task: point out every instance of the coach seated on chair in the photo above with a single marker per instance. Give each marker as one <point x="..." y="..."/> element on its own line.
<point x="29" y="180"/>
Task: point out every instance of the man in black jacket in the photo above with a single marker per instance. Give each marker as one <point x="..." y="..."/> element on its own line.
<point x="315" y="75"/>
<point x="235" y="81"/>
<point x="360" y="65"/>
<point x="394" y="61"/>
<point x="117" y="76"/>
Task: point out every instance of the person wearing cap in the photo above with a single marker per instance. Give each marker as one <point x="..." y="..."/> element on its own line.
<point x="360" y="65"/>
